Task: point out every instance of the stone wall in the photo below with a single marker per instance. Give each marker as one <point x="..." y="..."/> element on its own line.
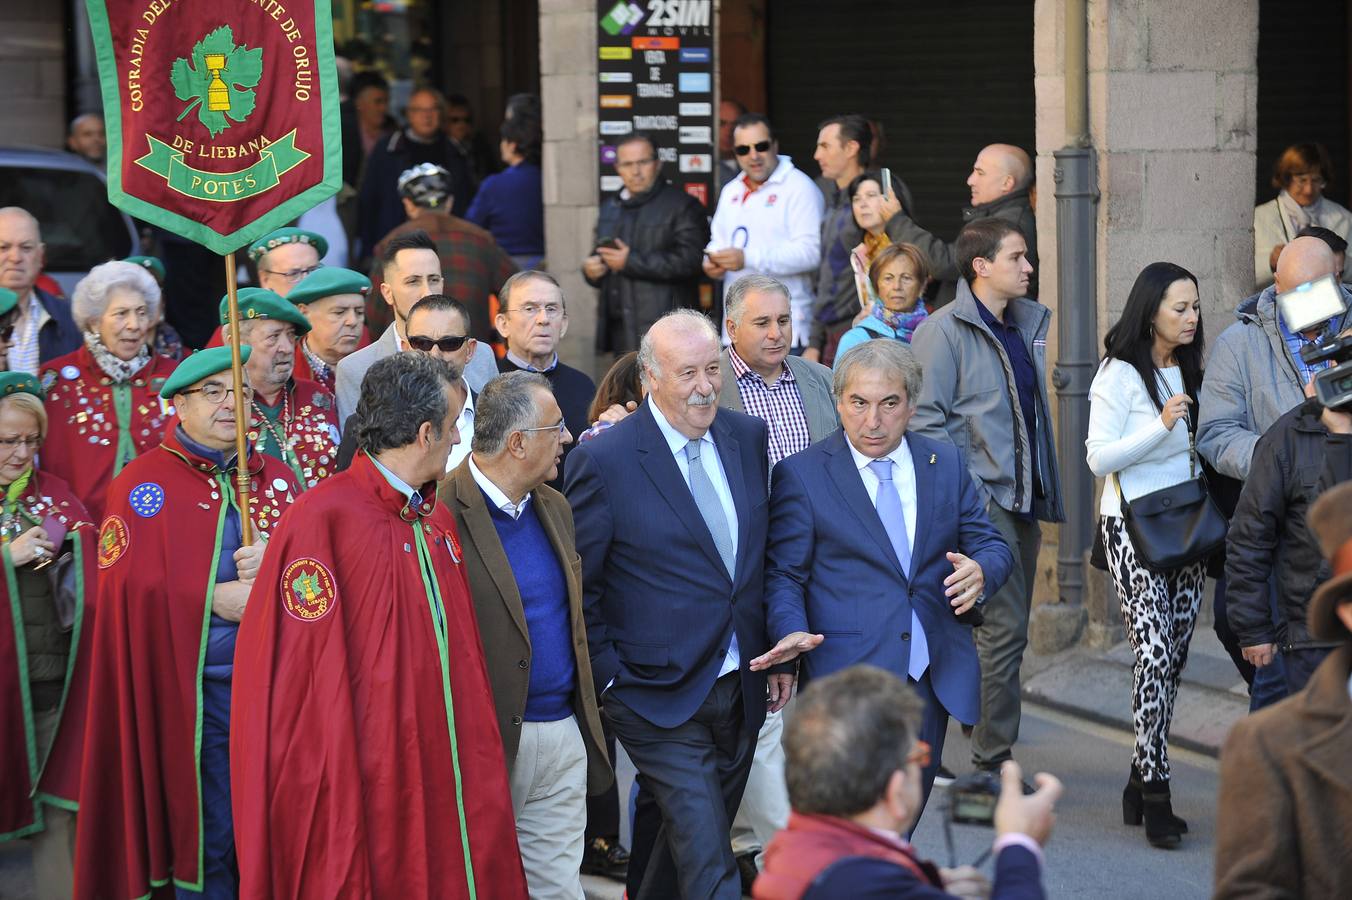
<point x="1172" y="110"/>
<point x="568" y="94"/>
<point x="33" y="71"/>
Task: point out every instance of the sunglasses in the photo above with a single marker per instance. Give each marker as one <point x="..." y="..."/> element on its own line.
<point x="759" y="147"/>
<point x="7" y="332"/>
<point x="445" y="345"/>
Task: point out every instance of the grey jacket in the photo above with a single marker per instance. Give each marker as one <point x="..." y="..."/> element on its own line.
<point x="943" y="255"/>
<point x="969" y="399"/>
<point x="1251" y="380"/>
<point x="814" y="386"/>
<point x="347" y="380"/>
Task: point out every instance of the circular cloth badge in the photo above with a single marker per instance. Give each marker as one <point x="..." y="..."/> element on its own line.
<point x="70" y="373"/>
<point x="147" y="499"/>
<point x="113" y="541"/>
<point x="308" y="592"/>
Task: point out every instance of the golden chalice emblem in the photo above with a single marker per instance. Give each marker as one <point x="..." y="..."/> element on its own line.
<point x="218" y="95"/>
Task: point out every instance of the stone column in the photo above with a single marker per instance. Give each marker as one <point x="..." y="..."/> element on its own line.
<point x="1172" y="106"/>
<point x="568" y="96"/>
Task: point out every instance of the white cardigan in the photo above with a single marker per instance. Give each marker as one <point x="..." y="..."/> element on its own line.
<point x="1270" y="228"/>
<point x="1127" y="435"/>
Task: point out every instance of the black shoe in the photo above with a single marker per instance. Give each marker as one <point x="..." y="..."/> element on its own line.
<point x="605" y="857"/>
<point x="1160" y="828"/>
<point x="943" y="778"/>
<point x="1132" y="803"/>
<point x="746" y="867"/>
<point x="994" y="772"/>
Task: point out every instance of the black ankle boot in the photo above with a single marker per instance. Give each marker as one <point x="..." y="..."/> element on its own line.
<point x="1160" y="827"/>
<point x="1132" y="805"/>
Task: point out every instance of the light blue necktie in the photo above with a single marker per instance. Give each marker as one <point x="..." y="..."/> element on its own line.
<point x="706" y="498"/>
<point x="888" y="504"/>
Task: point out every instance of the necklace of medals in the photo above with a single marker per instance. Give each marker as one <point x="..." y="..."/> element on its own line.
<point x="279" y="431"/>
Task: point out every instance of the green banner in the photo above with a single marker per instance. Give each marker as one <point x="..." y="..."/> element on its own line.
<point x="276" y="160"/>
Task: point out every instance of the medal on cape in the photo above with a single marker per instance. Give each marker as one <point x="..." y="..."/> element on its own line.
<point x="70" y="373"/>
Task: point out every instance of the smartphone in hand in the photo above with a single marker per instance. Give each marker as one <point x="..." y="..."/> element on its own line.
<point x="609" y="243"/>
<point x="887" y="182"/>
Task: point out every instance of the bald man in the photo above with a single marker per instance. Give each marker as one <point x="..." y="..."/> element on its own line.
<point x="43" y="328"/>
<point x="1255" y="372"/>
<point x="86" y="137"/>
<point x="1001" y="178"/>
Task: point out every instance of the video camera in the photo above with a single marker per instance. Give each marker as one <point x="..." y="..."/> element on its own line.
<point x="1313" y="305"/>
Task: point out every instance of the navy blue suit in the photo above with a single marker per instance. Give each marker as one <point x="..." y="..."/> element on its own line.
<point x="832" y="570"/>
<point x="661" y="610"/>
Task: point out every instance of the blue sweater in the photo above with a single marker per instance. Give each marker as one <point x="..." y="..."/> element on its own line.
<point x="544" y="598"/>
<point x="219" y="664"/>
<point x="511" y="206"/>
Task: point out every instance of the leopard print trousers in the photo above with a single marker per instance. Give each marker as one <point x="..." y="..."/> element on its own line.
<point x="1159" y="611"/>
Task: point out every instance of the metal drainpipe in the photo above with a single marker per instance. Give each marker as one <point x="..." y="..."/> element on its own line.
<point x="1077" y="319"/>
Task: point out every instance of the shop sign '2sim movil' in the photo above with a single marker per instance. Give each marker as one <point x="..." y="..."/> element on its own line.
<point x="222" y="116"/>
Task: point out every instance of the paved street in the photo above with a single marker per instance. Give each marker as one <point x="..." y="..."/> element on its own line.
<point x="1092" y="854"/>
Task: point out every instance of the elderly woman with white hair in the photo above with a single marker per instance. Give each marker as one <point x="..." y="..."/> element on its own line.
<point x="47" y="558"/>
<point x="103" y="400"/>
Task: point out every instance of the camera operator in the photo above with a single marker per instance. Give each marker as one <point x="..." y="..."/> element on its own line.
<point x="853" y="772"/>
<point x="1269" y="536"/>
<point x="1284" y="797"/>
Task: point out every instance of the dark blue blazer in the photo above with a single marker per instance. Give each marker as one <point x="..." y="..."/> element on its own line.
<point x="831" y="568"/>
<point x="59" y="336"/>
<point x="1018" y="876"/>
<point x="659" y="605"/>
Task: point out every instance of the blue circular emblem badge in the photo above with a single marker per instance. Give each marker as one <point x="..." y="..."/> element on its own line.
<point x="70" y="373"/>
<point x="147" y="499"/>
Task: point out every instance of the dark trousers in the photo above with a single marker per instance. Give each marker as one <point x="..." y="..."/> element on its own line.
<point x="220" y="872"/>
<point x="603" y="809"/>
<point x="1300" y="664"/>
<point x="1001" y="640"/>
<point x="690" y="779"/>
<point x="933" y="730"/>
<point x="1229" y="640"/>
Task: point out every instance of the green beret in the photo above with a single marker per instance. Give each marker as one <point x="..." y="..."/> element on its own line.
<point x="151" y="264"/>
<point x="328" y="282"/>
<point x="200" y="365"/>
<point x="275" y="239"/>
<point x="8" y="300"/>
<point x="19" y="382"/>
<point x="261" y="303"/>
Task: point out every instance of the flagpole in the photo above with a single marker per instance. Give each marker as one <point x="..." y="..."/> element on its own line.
<point x="241" y="406"/>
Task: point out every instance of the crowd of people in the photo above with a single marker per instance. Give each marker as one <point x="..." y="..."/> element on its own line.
<point x="402" y="665"/>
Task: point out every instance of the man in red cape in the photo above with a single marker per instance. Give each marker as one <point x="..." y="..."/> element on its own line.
<point x="173" y="581"/>
<point x="365" y="754"/>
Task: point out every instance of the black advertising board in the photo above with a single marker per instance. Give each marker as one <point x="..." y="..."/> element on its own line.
<point x="656" y="75"/>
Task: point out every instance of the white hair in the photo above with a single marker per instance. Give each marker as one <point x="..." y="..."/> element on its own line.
<point x="685" y="320"/>
<point x="734" y="302"/>
<point x="90" y="299"/>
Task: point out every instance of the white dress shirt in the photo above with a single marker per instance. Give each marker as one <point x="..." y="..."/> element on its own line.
<point x="903" y="479"/>
<point x="713" y="466"/>
<point x="494" y="493"/>
<point x="465" y="423"/>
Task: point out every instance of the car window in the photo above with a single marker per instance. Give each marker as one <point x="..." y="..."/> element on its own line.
<point x="79" y="226"/>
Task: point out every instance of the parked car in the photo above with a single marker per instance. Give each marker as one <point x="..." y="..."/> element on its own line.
<point x="69" y="198"/>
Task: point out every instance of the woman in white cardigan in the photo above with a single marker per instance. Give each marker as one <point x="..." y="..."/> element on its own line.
<point x="1300" y="176"/>
<point x="1142" y="407"/>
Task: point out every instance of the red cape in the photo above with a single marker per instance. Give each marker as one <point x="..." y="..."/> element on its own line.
<point x="314" y="431"/>
<point x="140" y="819"/>
<point x="57" y="777"/>
<point x="345" y="778"/>
<point x="82" y="423"/>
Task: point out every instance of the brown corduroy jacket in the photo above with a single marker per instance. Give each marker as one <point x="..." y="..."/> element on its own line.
<point x="1286" y="794"/>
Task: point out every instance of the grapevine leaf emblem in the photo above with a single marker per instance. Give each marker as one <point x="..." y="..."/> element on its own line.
<point x="206" y="88"/>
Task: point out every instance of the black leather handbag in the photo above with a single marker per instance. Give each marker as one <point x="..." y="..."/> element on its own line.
<point x="1177" y="525"/>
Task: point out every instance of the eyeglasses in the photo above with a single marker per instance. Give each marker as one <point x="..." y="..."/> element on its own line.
<point x="1309" y="180"/>
<point x="531" y="310"/>
<point x="294" y="275"/>
<point x="920" y="754"/>
<point x="458" y="120"/>
<point x="12" y="444"/>
<point x="215" y="394"/>
<point x="560" y="427"/>
<point x="634" y="164"/>
<point x="445" y="345"/>
<point x="759" y="147"/>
